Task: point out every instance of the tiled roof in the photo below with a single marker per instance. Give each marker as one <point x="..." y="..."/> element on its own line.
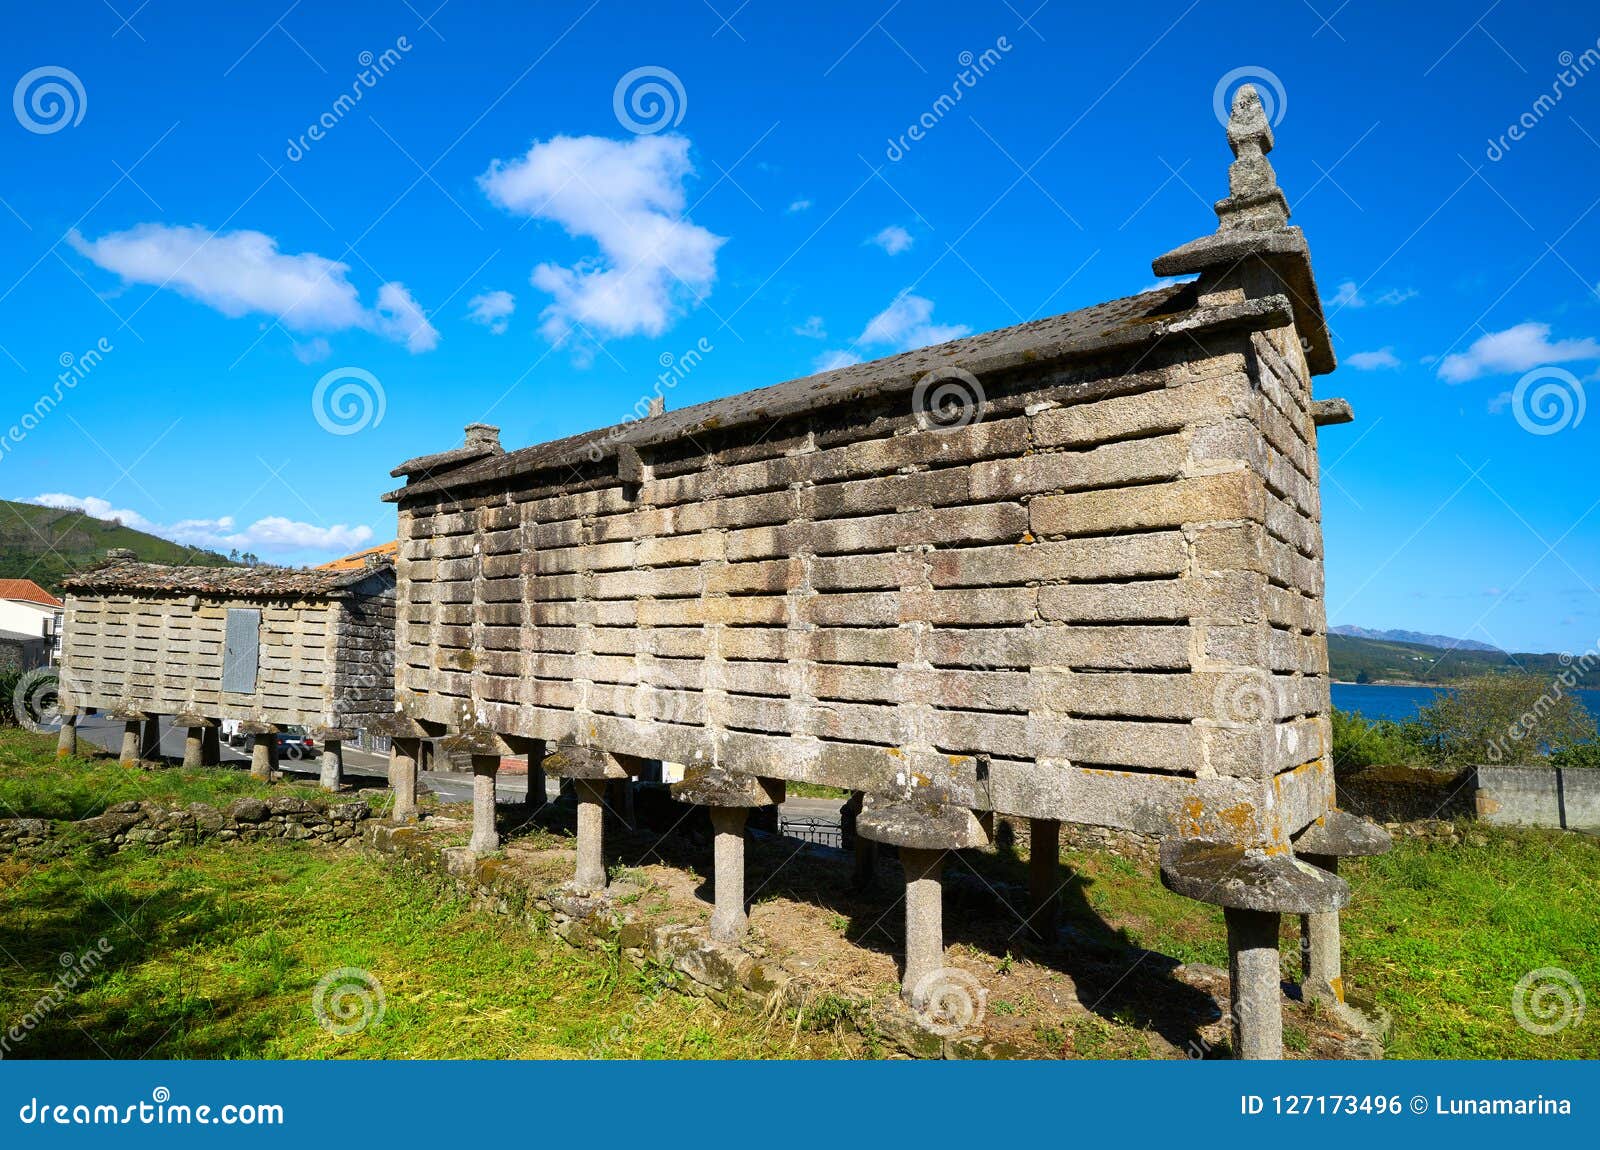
<point x="231" y="582"/>
<point x="27" y="591"/>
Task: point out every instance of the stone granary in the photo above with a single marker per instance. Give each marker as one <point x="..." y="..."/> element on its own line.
<point x="267" y="646"/>
<point x="1066" y="571"/>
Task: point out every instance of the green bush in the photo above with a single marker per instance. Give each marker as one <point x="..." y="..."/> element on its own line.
<point x="1359" y="742"/>
<point x="1508" y="720"/>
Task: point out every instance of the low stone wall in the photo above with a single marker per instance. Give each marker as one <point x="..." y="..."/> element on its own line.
<point x="1539" y="796"/>
<point x="1401" y="794"/>
<point x="152" y="826"/>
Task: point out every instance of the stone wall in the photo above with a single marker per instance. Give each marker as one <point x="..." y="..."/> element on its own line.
<point x="1403" y="794"/>
<point x="152" y="826"/>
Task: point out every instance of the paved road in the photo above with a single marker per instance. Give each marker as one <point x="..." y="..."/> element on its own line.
<point x="453" y="786"/>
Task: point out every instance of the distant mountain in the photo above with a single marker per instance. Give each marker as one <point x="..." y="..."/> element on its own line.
<point x="46" y="544"/>
<point x="1353" y="659"/>
<point x="1444" y="642"/>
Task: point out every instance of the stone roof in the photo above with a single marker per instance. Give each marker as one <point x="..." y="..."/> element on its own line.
<point x="380" y="555"/>
<point x="27" y="591"/>
<point x="1118" y="325"/>
<point x="218" y="582"/>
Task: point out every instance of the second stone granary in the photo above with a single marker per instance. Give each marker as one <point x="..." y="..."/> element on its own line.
<point x="1068" y="571"/>
<point x="269" y="647"/>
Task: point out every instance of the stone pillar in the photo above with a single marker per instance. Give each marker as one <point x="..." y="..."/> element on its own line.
<point x="924" y="920"/>
<point x="211" y="747"/>
<point x="1338" y="834"/>
<point x="925" y="830"/>
<point x="194" y="745"/>
<point x="1044" y="876"/>
<point x="132" y="733"/>
<point x="67" y="740"/>
<point x="1254" y="887"/>
<point x="150" y="740"/>
<point x="332" y="764"/>
<point x="485" y="838"/>
<point x="591" y="875"/>
<point x="1321" y="975"/>
<point x="865" y="851"/>
<point x="264" y="756"/>
<point x="403" y="757"/>
<point x="729" y="919"/>
<point x="537" y="793"/>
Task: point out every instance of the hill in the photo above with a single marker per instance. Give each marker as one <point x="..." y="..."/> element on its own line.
<point x="46" y="544"/>
<point x="1353" y="659"/>
<point x="1416" y="637"/>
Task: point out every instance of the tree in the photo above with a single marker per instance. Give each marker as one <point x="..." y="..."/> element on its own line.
<point x="1507" y="720"/>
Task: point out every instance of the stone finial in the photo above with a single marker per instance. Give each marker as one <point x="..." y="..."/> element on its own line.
<point x="1255" y="201"/>
<point x="483" y="435"/>
<point x="658" y="405"/>
<point x="121" y="553"/>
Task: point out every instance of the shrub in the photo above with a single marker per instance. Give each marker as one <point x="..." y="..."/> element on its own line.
<point x="1359" y="742"/>
<point x="1508" y="720"/>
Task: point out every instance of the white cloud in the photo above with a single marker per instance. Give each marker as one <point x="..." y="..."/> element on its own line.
<point x="1378" y="360"/>
<point x="799" y="206"/>
<point x="905" y="325"/>
<point x="272" y="534"/>
<point x="1165" y="283"/>
<point x="239" y="273"/>
<point x="1349" y="295"/>
<point x="812" y="328"/>
<point x="829" y="360"/>
<point x="893" y="239"/>
<point x="493" y="310"/>
<point x="313" y="350"/>
<point x="1527" y="345"/>
<point x="627" y="196"/>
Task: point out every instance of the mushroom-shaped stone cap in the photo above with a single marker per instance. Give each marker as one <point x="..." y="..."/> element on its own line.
<point x="1340" y="834"/>
<point x="1248" y="878"/>
<point x="720" y="787"/>
<point x="920" y="825"/>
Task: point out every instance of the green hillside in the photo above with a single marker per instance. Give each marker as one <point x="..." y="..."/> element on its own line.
<point x="46" y="544"/>
<point x="1383" y="661"/>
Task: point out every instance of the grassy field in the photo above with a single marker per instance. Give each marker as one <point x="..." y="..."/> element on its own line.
<point x="1438" y="935"/>
<point x="216" y="952"/>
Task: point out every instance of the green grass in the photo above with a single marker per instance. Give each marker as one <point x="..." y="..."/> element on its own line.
<point x="1437" y="935"/>
<point x="216" y="953"/>
<point x="35" y="784"/>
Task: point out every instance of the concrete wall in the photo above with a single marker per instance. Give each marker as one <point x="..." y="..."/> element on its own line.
<point x="1539" y="796"/>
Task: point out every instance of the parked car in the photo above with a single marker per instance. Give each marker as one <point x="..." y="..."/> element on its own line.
<point x="296" y="745"/>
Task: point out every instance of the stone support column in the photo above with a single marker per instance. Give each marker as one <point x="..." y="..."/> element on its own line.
<point x="1338" y="834"/>
<point x="331" y="764"/>
<point x="591" y="873"/>
<point x="264" y="755"/>
<point x="403" y="756"/>
<point x="194" y="746"/>
<point x="485" y="835"/>
<point x="67" y="740"/>
<point x="1044" y="877"/>
<point x="132" y="736"/>
<point x="150" y="740"/>
<point x="731" y="796"/>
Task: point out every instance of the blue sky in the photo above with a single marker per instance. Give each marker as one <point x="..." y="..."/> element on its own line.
<point x="485" y="236"/>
